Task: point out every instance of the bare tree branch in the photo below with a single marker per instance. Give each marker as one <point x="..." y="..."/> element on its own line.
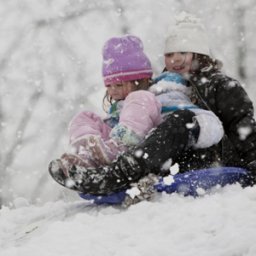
<point x="67" y="16"/>
<point x="241" y="49"/>
<point x="123" y="21"/>
<point x="24" y="121"/>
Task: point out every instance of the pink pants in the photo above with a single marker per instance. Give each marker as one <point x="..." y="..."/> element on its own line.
<point x="89" y="138"/>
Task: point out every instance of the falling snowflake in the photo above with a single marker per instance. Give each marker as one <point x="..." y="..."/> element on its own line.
<point x="244" y="132"/>
<point x="168" y="180"/>
<point x="174" y="169"/>
<point x="138" y="153"/>
<point x="133" y="192"/>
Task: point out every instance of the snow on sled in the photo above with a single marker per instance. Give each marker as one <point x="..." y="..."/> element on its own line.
<point x="189" y="183"/>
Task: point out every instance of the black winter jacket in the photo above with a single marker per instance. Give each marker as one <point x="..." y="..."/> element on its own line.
<point x="214" y="91"/>
<point x="224" y="96"/>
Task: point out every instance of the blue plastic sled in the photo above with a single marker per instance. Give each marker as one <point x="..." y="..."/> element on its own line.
<point x="187" y="183"/>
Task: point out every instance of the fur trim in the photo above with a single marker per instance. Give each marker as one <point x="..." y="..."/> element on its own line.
<point x="167" y="86"/>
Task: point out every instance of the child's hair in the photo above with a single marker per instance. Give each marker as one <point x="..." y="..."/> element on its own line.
<point x="204" y="62"/>
<point x="139" y="84"/>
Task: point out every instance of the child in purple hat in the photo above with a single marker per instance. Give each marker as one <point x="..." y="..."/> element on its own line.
<point x="133" y="112"/>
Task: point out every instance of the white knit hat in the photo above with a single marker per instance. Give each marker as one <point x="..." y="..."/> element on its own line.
<point x="187" y="35"/>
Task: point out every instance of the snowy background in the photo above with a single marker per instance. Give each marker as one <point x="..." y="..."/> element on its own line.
<point x="50" y="69"/>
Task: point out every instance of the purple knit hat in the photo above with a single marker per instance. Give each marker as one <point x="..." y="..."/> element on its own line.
<point x="124" y="60"/>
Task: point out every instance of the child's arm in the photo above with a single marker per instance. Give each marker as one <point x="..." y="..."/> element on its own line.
<point x="141" y="112"/>
<point x="211" y="129"/>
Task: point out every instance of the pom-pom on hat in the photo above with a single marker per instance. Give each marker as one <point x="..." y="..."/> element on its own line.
<point x="125" y="60"/>
<point x="187" y="35"/>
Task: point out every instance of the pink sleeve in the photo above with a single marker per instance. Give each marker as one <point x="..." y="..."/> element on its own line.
<point x="141" y="112"/>
<point x="87" y="123"/>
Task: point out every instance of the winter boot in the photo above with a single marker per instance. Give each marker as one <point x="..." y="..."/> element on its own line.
<point x="102" y="180"/>
<point x="59" y="169"/>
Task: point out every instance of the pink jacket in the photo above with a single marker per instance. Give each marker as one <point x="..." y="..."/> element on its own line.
<point x="140" y="113"/>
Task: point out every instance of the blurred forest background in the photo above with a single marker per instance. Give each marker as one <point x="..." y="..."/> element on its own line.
<point x="50" y="69"/>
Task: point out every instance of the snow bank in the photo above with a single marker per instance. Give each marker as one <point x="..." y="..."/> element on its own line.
<point x="220" y="224"/>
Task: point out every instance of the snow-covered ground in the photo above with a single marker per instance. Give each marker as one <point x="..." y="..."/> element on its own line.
<point x="219" y="224"/>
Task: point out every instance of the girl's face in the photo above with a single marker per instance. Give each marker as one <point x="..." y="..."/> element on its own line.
<point x="120" y="91"/>
<point x="179" y="62"/>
